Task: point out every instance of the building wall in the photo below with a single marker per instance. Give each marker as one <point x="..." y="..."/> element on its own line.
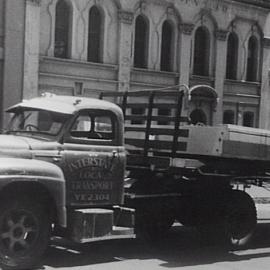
<point x="12" y="23"/>
<point x="2" y="16"/>
<point x="42" y="71"/>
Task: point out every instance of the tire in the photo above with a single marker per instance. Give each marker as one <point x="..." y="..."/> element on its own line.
<point x="153" y="222"/>
<point x="236" y="223"/>
<point x="24" y="234"/>
<point x="241" y="219"/>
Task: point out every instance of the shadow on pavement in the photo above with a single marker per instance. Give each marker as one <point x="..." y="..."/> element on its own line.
<point x="181" y="247"/>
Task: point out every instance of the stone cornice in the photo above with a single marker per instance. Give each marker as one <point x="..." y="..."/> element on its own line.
<point x="125" y="16"/>
<point x="186" y="28"/>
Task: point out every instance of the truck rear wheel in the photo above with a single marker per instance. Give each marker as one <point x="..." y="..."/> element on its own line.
<point x="241" y="218"/>
<point x="236" y="223"/>
<point x="24" y="234"/>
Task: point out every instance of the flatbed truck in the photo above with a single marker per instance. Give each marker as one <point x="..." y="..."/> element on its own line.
<point x="87" y="169"/>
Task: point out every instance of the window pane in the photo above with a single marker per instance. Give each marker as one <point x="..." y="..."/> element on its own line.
<point x="232" y="57"/>
<point x="82" y="123"/>
<point x="252" y="59"/>
<point x="228" y="117"/>
<point x="166" y="45"/>
<point x="201" y="53"/>
<point x="37" y="121"/>
<point x="94" y="35"/>
<point x="140" y="43"/>
<point x="248" y="119"/>
<point x="62" y="22"/>
<point x="103" y="124"/>
<point x="93" y="127"/>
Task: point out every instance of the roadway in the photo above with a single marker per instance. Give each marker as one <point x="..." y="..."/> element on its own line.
<point x="181" y="249"/>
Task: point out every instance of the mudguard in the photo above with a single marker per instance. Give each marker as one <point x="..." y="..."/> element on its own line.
<point x="50" y="176"/>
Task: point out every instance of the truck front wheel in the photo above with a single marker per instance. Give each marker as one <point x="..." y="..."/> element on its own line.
<point x="24" y="233"/>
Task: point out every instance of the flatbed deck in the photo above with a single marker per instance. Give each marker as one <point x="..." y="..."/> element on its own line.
<point x="158" y="136"/>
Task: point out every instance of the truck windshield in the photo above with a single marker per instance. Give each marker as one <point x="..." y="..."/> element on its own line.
<point x="37" y="122"/>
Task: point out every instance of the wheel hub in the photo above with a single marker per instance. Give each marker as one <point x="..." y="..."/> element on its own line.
<point x="19" y="231"/>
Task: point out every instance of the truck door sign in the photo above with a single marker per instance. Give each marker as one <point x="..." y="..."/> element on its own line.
<point x="91" y="179"/>
<point x="92" y="168"/>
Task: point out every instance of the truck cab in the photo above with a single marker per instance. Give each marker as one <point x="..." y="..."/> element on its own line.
<point x="84" y="137"/>
<point x="58" y="155"/>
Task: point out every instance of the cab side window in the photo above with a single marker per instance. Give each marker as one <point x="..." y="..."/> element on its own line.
<point x="93" y="126"/>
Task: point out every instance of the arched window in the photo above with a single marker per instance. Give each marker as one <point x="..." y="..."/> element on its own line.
<point x="94" y="35"/>
<point x="248" y="119"/>
<point x="232" y="57"/>
<point x="201" y="52"/>
<point x="252" y="59"/>
<point x="140" y="44"/>
<point x="228" y="117"/>
<point x="62" y="29"/>
<point x="166" y="47"/>
<point x="198" y="117"/>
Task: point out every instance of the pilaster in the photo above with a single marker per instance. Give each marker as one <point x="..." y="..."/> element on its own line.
<point x="264" y="116"/>
<point x="221" y="46"/>
<point x="13" y="58"/>
<point x="31" y="48"/>
<point x="126" y="28"/>
<point x="185" y="52"/>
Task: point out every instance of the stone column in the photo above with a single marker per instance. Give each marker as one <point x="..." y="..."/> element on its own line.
<point x="13" y="61"/>
<point x="126" y="29"/>
<point x="31" y="48"/>
<point x="185" y="56"/>
<point x="220" y="71"/>
<point x="185" y="52"/>
<point x="264" y="116"/>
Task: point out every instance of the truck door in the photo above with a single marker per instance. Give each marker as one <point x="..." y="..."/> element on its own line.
<point x="94" y="159"/>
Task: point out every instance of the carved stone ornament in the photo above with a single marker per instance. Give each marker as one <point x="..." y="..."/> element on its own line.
<point x="186" y="28"/>
<point x="266" y="42"/>
<point x="221" y="35"/>
<point x="125" y="16"/>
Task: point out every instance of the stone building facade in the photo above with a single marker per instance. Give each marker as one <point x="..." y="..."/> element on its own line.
<point x="217" y="51"/>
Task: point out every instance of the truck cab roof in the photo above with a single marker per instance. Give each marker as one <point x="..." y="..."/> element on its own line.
<point x="66" y="104"/>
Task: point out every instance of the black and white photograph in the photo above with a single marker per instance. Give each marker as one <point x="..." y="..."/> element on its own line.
<point x="134" y="134"/>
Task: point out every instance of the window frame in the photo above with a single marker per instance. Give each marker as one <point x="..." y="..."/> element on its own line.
<point x="232" y="56"/>
<point x="253" y="61"/>
<point x="68" y="138"/>
<point x="249" y="114"/>
<point x="201" y="68"/>
<point x="140" y="54"/>
<point x="67" y="24"/>
<point x="232" y="116"/>
<point x="97" y="55"/>
<point x="166" y="65"/>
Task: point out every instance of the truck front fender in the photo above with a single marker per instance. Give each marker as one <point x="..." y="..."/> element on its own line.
<point x="49" y="177"/>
